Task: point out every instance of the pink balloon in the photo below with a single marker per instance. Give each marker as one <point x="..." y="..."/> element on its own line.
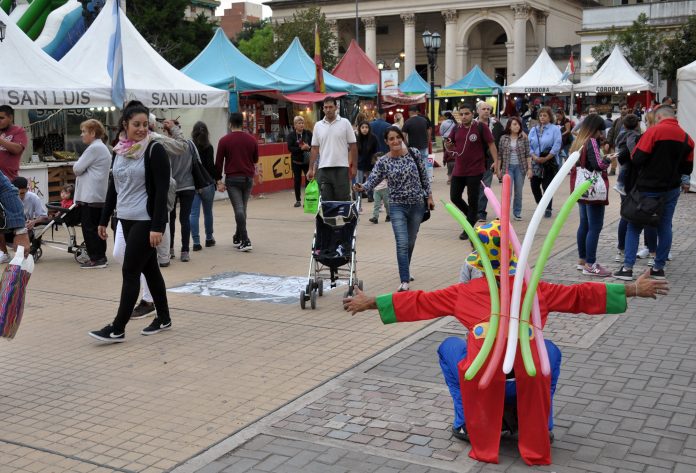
<point x="536" y="312"/>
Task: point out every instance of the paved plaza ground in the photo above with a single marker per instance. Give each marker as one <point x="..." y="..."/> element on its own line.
<point x="246" y="385"/>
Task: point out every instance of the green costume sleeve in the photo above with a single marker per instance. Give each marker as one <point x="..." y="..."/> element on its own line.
<point x="616" y="299"/>
<point x="386" y="309"/>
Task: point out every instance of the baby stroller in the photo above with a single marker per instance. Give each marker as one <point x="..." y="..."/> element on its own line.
<point x="333" y="249"/>
<point x="66" y="218"/>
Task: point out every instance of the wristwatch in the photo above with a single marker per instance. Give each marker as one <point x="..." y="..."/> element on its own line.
<point x="21" y="231"/>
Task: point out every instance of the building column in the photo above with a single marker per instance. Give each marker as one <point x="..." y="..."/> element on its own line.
<point x="333" y="45"/>
<point x="510" y="62"/>
<point x="370" y="37"/>
<point x="450" y="17"/>
<point x="462" y="63"/>
<point x="541" y="29"/>
<point x="409" y="20"/>
<point x="520" y="38"/>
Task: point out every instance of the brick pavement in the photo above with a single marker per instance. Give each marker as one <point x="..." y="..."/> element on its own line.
<point x="232" y="369"/>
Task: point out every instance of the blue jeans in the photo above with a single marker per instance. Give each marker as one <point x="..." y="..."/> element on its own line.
<point x="453" y="349"/>
<point x="205" y="197"/>
<point x="405" y="220"/>
<point x="664" y="231"/>
<point x="515" y="172"/>
<point x="483" y="200"/>
<point x="591" y="222"/>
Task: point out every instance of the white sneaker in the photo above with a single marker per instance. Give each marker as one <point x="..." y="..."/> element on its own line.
<point x="669" y="256"/>
<point x="619" y="257"/>
<point x="580" y="267"/>
<point x="619" y="189"/>
<point x="651" y="261"/>
<point x="403" y="287"/>
<point x="643" y="252"/>
<point x="5" y="258"/>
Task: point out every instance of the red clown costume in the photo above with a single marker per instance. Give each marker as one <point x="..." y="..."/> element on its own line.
<point x="470" y="304"/>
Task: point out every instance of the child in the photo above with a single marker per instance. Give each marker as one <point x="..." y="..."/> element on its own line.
<point x="381" y="193"/>
<point x="625" y="143"/>
<point x="67" y="195"/>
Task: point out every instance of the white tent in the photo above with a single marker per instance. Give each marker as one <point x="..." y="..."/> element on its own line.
<point x="615" y="76"/>
<point x="148" y="77"/>
<point x="686" y="87"/>
<point x="543" y="77"/>
<point x="30" y="78"/>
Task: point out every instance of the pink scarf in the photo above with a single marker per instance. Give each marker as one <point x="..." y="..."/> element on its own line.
<point x="131" y="149"/>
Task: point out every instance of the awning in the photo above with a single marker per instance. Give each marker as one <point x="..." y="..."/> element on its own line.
<point x="442" y="93"/>
<point x="303" y="98"/>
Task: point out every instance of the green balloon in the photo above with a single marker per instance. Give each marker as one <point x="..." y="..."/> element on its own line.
<point x="538" y="269"/>
<point x="492" y="288"/>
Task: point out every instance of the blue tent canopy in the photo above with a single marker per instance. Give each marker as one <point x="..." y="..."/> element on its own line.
<point x="296" y="64"/>
<point x="414" y="84"/>
<point x="223" y="66"/>
<point x="475" y="79"/>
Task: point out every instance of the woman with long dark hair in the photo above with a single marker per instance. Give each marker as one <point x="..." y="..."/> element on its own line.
<point x="300" y="144"/>
<point x="138" y="192"/>
<point x="408" y="184"/>
<point x="591" y="212"/>
<point x="201" y="138"/>
<point x="515" y="161"/>
<point x="367" y="147"/>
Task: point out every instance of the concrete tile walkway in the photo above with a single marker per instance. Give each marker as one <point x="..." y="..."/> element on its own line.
<point x="252" y="386"/>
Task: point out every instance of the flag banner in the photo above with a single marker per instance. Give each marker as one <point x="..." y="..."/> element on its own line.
<point x="319" y="85"/>
<point x="115" y="60"/>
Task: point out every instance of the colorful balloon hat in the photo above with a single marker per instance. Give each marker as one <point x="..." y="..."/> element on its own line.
<point x="489" y="233"/>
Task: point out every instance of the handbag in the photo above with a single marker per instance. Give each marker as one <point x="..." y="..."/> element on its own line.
<point x="550" y="167"/>
<point x="306" y="155"/>
<point x="641" y="209"/>
<point x="201" y="178"/>
<point x="426" y="212"/>
<point x="598" y="190"/>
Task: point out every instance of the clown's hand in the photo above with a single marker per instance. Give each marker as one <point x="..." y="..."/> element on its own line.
<point x="649" y="287"/>
<point x="359" y="302"/>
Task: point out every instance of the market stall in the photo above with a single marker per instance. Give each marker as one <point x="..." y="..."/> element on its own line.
<point x="686" y="87"/>
<point x="543" y="77"/>
<point x="475" y="84"/>
<point x="615" y="79"/>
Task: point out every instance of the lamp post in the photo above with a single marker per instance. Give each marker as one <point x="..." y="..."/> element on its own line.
<point x="3" y="27"/>
<point x="432" y="42"/>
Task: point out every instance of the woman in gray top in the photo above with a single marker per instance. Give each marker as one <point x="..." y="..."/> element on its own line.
<point x="185" y="191"/>
<point x="92" y="171"/>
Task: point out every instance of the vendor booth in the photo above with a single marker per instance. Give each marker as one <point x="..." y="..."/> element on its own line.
<point x="686" y="87"/>
<point x="29" y="80"/>
<point x="543" y="77"/>
<point x="475" y="84"/>
<point x="616" y="78"/>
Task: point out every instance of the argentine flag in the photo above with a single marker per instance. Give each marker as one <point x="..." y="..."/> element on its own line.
<point x="115" y="60"/>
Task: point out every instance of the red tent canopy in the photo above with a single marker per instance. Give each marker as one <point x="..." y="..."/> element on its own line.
<point x="356" y="67"/>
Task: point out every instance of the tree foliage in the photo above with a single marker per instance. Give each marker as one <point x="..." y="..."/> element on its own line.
<point x="680" y="49"/>
<point x="162" y="24"/>
<point x="302" y="25"/>
<point x="642" y="45"/>
<point x="259" y="47"/>
<point x="248" y="30"/>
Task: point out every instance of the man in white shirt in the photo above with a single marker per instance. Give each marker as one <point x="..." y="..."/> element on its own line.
<point x="34" y="209"/>
<point x="334" y="140"/>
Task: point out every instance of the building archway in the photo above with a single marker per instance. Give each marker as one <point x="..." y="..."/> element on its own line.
<point x="486" y="46"/>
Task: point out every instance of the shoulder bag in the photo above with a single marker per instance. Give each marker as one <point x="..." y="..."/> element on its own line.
<point x="598" y="191"/>
<point x="426" y="212"/>
<point x="550" y="167"/>
<point x="201" y="178"/>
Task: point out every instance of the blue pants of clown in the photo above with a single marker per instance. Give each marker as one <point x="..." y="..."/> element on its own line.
<point x="453" y="349"/>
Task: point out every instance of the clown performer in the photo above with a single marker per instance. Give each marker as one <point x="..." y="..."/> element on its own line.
<point x="478" y="414"/>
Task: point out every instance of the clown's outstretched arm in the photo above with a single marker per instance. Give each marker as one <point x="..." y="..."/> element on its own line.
<point x="410" y="306"/>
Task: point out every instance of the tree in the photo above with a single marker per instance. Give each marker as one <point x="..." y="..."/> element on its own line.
<point x="162" y="24"/>
<point x="259" y="48"/>
<point x="302" y="25"/>
<point x="248" y="30"/>
<point x="641" y="43"/>
<point x="680" y="49"/>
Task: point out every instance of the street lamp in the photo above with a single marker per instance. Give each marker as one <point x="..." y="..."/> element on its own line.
<point x="432" y="42"/>
<point x="3" y="26"/>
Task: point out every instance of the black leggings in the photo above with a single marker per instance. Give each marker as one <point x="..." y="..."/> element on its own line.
<point x="96" y="247"/>
<point x="185" y="199"/>
<point x="297" y="170"/>
<point x="139" y="258"/>
<point x="539" y="183"/>
<point x="472" y="185"/>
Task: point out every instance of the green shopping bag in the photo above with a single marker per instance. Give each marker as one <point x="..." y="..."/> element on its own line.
<point x="311" y="197"/>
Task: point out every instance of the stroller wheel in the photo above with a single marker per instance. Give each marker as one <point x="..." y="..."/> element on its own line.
<point x="310" y="286"/>
<point x="302" y="299"/>
<point x="360" y="284"/>
<point x="320" y="286"/>
<point x="37" y="254"/>
<point x="313" y="299"/>
<point x="80" y="254"/>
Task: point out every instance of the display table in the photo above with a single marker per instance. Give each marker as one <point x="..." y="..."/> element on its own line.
<point x="47" y="179"/>
<point x="275" y="169"/>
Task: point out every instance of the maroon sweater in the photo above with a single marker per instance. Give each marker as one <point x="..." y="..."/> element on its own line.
<point x="237" y="153"/>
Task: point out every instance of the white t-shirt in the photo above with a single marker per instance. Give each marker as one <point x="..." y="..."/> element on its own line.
<point x="33" y="206"/>
<point x="333" y="139"/>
